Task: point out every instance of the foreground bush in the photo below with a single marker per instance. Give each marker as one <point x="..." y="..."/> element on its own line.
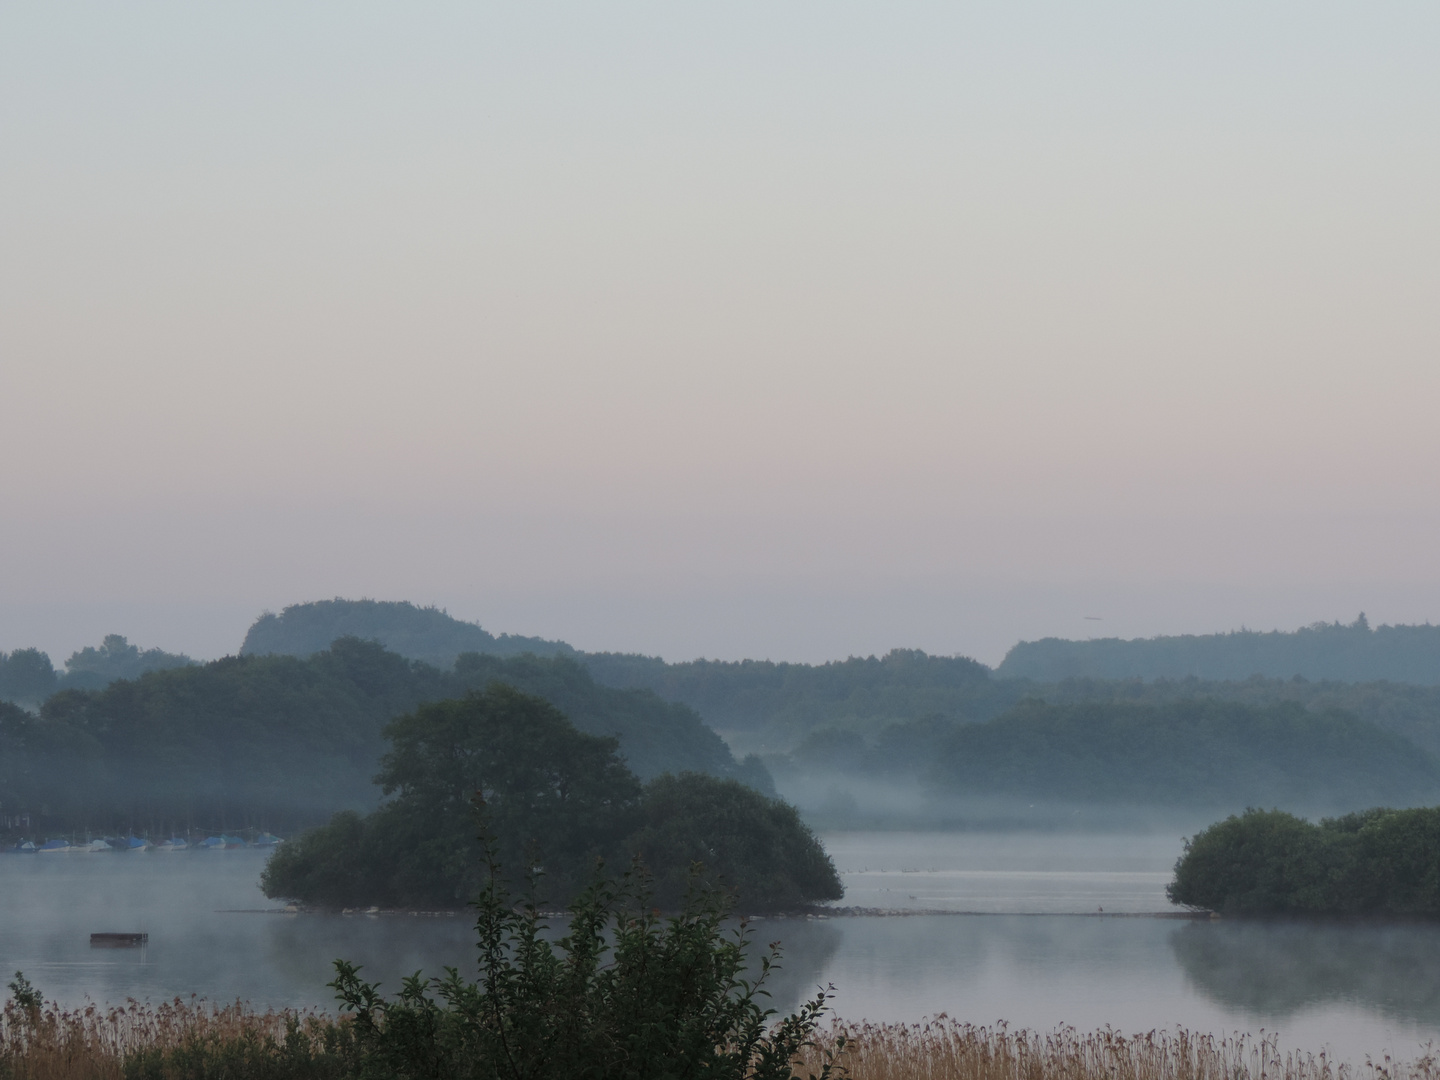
<point x="1266" y="862"/>
<point x="553" y="796"/>
<point x="624" y="995"/>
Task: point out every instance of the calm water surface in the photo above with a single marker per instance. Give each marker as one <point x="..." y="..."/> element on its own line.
<point x="1023" y="940"/>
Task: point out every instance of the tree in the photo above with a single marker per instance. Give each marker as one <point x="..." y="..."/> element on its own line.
<point x="91" y="668"/>
<point x="26" y="675"/>
<point x="756" y="846"/>
<point x="555" y="798"/>
<point x="551" y="792"/>
<point x="1263" y="861"/>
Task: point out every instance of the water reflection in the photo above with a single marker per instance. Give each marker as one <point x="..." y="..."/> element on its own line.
<point x="1356" y="988"/>
<point x="301" y="950"/>
<point x="1283" y="968"/>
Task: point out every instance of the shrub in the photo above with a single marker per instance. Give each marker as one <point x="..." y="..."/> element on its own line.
<point x="757" y="846"/>
<point x="1265" y="862"/>
<point x="624" y="994"/>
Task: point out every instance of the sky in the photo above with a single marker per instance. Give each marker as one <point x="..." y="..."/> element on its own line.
<point x="792" y="330"/>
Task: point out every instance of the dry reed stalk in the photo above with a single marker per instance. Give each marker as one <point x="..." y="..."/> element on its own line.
<point x="91" y="1043"/>
<point x="945" y="1049"/>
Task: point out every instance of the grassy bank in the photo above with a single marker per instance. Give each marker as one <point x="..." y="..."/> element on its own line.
<point x="179" y="1041"/>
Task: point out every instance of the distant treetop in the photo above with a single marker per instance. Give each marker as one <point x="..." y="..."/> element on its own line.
<point x="1333" y="651"/>
<point x="420" y="633"/>
<point x="91" y="668"/>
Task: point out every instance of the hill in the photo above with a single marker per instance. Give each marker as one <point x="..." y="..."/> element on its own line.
<point x="420" y="633"/>
<point x="1353" y="653"/>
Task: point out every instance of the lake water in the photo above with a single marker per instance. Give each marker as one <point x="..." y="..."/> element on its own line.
<point x="1003" y="927"/>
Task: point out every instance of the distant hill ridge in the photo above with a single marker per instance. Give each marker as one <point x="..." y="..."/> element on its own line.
<point x="1354" y="653"/>
<point x="904" y="684"/>
<point x="421" y="633"/>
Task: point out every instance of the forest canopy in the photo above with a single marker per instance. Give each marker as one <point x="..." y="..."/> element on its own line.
<point x="1194" y="754"/>
<point x="28" y="677"/>
<point x="891" y="722"/>
<point x="277" y="742"/>
<point x="1387" y="675"/>
<point x="1343" y="653"/>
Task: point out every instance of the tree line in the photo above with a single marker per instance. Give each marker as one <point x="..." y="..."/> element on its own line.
<point x="27" y="676"/>
<point x="1353" y="652"/>
<point x="278" y="742"/>
<point x="1190" y="754"/>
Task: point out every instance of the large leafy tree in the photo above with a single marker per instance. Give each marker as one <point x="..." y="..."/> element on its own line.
<point x="552" y="793"/>
<point x="26" y="675"/>
<point x="556" y="799"/>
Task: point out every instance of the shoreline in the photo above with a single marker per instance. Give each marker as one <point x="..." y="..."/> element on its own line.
<point x="818" y="914"/>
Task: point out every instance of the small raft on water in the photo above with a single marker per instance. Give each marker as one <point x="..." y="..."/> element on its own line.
<point x="118" y="941"/>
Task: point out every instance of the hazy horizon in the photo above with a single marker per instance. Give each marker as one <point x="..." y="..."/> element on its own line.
<point x="789" y="332"/>
<point x="167" y="638"/>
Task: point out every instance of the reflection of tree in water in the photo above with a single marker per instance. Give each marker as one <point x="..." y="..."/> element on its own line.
<point x="1280" y="967"/>
<point x="301" y="950"/>
<point x="806" y="948"/>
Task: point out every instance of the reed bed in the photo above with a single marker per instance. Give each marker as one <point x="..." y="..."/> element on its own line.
<point x="170" y="1041"/>
<point x="197" y="1041"/>
<point x="946" y="1049"/>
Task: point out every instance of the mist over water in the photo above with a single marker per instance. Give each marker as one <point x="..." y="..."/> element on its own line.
<point x="1005" y="873"/>
<point x="1037" y="953"/>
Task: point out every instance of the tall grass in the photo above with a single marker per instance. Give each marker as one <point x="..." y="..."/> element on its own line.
<point x="171" y="1041"/>
<point x="196" y="1041"/>
<point x="945" y="1049"/>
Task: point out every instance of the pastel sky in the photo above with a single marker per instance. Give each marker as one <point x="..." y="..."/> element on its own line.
<point x="792" y="329"/>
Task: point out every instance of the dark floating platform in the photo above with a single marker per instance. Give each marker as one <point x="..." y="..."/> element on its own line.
<point x="118" y="941"/>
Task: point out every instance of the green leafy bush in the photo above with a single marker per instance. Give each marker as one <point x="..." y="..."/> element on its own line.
<point x="624" y="994"/>
<point x="1266" y="862"/>
<point x="757" y="846"/>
